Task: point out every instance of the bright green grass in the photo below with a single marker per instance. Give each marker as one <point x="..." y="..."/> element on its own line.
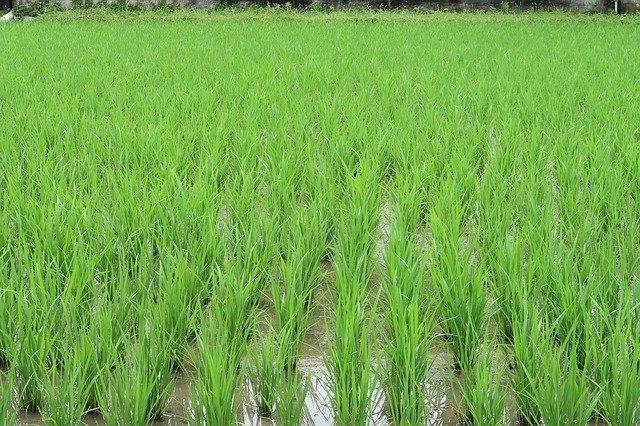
<point x="184" y="172"/>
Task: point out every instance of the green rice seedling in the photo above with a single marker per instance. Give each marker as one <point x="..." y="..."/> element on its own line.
<point x="461" y="288"/>
<point x="93" y="356"/>
<point x="625" y="238"/>
<point x="291" y="392"/>
<point x="529" y="338"/>
<point x="250" y="233"/>
<point x="248" y="267"/>
<point x="69" y="388"/>
<point x="266" y="375"/>
<point x="176" y="302"/>
<point x="86" y="351"/>
<point x="351" y="370"/>
<point x="283" y="187"/>
<point x="206" y="252"/>
<point x="121" y="300"/>
<point x="497" y="237"/>
<point x="291" y="302"/>
<point x="109" y="331"/>
<point x="7" y="412"/>
<point x="233" y="307"/>
<point x="408" y="319"/>
<point x="304" y="251"/>
<point x="507" y="285"/>
<point x="496" y="187"/>
<point x="322" y="220"/>
<point x="80" y="291"/>
<point x="351" y="373"/>
<point x="138" y="387"/>
<point x="608" y="278"/>
<point x="482" y="392"/>
<point x="7" y="307"/>
<point x="569" y="301"/>
<point x="562" y="387"/>
<point x="617" y="369"/>
<point x="10" y="284"/>
<point x="277" y="389"/>
<point x="32" y="352"/>
<point x="213" y="388"/>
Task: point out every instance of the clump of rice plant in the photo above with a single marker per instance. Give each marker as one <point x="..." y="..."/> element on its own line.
<point x="176" y="302"/>
<point x="507" y="285"/>
<point x="529" y="337"/>
<point x="9" y="279"/>
<point x="323" y="206"/>
<point x="292" y="298"/>
<point x="266" y="375"/>
<point x="278" y="391"/>
<point x="233" y="306"/>
<point x="617" y="368"/>
<point x="562" y="388"/>
<point x="70" y="385"/>
<point x="569" y="303"/>
<point x="87" y="349"/>
<point x="250" y="238"/>
<point x="246" y="268"/>
<point x="482" y="393"/>
<point x="7" y="412"/>
<point x="217" y="364"/>
<point x="137" y="389"/>
<point x="408" y="318"/>
<point x="303" y="253"/>
<point x="499" y="244"/>
<point x="291" y="391"/>
<point x="349" y="361"/>
<point x="7" y="306"/>
<point x="461" y="288"/>
<point x="32" y="354"/>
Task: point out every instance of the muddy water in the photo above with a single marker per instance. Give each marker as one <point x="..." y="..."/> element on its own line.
<point x="441" y="395"/>
<point x="317" y="409"/>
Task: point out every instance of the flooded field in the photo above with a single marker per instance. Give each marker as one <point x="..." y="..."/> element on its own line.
<point x="348" y="217"/>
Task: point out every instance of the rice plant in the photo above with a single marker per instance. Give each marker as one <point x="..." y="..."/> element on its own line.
<point x="7" y="411"/>
<point x="32" y="355"/>
<point x="292" y="391"/>
<point x="530" y="336"/>
<point x="266" y="375"/>
<point x="70" y="385"/>
<point x="483" y="394"/>
<point x="137" y="389"/>
<point x="461" y="287"/>
<point x="7" y="306"/>
<point x="279" y="392"/>
<point x="213" y="388"/>
<point x="562" y="389"/>
<point x="408" y="319"/>
<point x="292" y="301"/>
<point x="616" y="370"/>
<point x="179" y="294"/>
<point x="349" y="361"/>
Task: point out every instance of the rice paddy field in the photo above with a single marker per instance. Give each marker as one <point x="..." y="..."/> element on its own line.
<point x="341" y="218"/>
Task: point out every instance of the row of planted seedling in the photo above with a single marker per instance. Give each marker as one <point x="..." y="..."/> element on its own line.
<point x="499" y="249"/>
<point x="87" y="329"/>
